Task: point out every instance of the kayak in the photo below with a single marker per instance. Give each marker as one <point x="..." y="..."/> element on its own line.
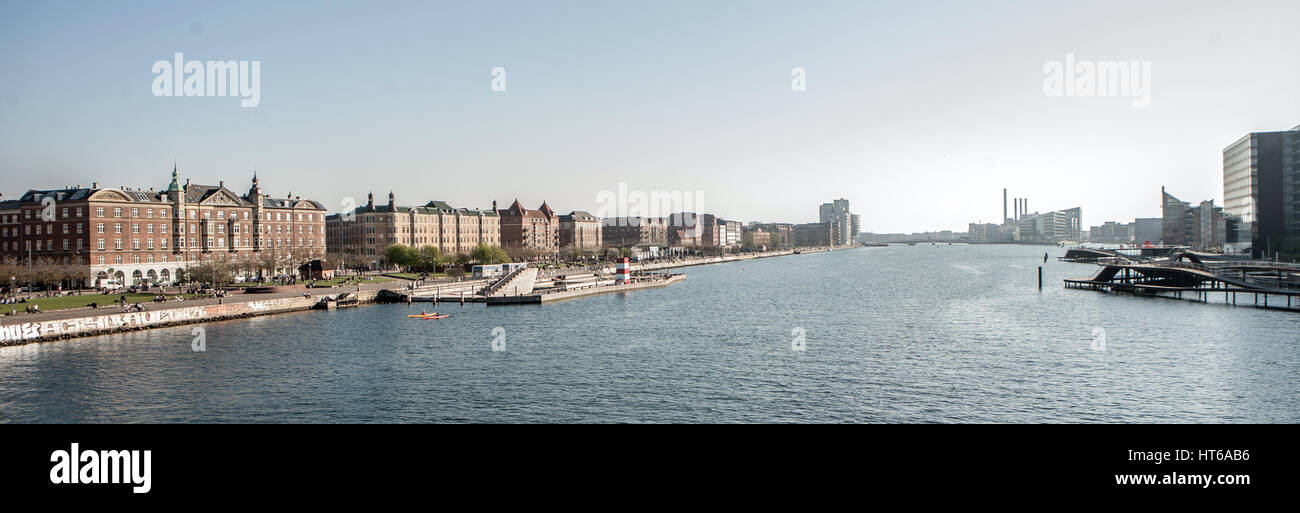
<point x="422" y="315"/>
<point x="435" y="317"/>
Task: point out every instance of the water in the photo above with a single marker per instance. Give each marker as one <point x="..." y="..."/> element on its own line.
<point x="899" y="334"/>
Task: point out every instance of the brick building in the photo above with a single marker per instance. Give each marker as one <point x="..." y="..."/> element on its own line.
<point x="536" y="230"/>
<point x="369" y="230"/>
<point x="581" y="231"/>
<point x="136" y="236"/>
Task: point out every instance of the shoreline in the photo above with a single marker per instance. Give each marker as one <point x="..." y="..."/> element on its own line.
<point x="52" y="330"/>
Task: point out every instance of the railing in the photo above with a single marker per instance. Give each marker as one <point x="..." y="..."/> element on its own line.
<point x="490" y="289"/>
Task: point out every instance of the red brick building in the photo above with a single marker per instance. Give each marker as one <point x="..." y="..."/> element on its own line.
<point x="536" y="230"/>
<point x="130" y="236"/>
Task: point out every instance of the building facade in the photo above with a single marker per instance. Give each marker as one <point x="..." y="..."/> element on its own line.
<point x="1055" y="226"/>
<point x="837" y="213"/>
<point x="781" y="234"/>
<point x="627" y="232"/>
<point x="1252" y="193"/>
<point x="368" y="231"/>
<point x="1291" y="182"/>
<point x="580" y="231"/>
<point x="139" y="236"/>
<point x="537" y="230"/>
<point x="814" y="234"/>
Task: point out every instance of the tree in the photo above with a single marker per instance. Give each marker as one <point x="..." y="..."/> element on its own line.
<point x="429" y="258"/>
<point x="489" y="255"/>
<point x="402" y="256"/>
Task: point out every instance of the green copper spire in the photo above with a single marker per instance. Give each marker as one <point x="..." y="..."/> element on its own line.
<point x="175" y="185"/>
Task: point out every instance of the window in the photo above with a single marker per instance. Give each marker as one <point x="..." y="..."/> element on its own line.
<point x="99" y="244"/>
<point x="99" y="212"/>
<point x="135" y="213"/>
<point x="117" y="212"/>
<point x="117" y="244"/>
<point x="117" y="227"/>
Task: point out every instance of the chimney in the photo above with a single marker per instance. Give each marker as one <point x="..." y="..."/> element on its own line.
<point x="94" y="185"/>
<point x="1026" y="206"/>
<point x="1004" y="205"/>
<point x="221" y="183"/>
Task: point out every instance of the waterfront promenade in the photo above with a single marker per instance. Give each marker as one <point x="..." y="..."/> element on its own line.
<point x="21" y="328"/>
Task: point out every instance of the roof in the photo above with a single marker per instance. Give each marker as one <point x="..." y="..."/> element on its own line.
<point x="579" y="215"/>
<point x="68" y="194"/>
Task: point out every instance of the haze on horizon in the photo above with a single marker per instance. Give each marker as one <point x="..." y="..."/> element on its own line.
<point x="918" y="113"/>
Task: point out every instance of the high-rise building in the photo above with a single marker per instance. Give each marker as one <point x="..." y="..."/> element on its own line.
<point x="1291" y="182"/>
<point x="1252" y="193"/>
<point x="841" y="219"/>
<point x="1176" y="220"/>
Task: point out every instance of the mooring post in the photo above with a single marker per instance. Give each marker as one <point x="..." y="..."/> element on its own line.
<point x="1040" y="277"/>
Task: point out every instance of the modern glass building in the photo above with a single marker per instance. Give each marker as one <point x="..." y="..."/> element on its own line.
<point x="1291" y="182"/>
<point x="1252" y="193"/>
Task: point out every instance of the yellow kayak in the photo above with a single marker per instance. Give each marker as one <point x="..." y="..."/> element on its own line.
<point x="422" y="315"/>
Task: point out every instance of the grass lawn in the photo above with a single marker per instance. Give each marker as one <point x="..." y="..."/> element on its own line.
<point x="62" y="302"/>
<point x="416" y="276"/>
<point x="350" y="280"/>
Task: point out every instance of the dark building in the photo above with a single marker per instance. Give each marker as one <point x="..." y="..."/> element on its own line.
<point x="1291" y="182"/>
<point x="814" y="234"/>
<point x="1252" y="193"/>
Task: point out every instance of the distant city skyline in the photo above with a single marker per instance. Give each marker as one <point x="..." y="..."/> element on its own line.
<point x="918" y="114"/>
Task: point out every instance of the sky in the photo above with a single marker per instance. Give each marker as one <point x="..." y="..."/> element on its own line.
<point x="918" y="113"/>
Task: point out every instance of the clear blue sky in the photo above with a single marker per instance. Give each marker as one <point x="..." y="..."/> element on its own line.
<point x="917" y="112"/>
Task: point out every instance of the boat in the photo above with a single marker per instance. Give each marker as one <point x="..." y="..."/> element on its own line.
<point x="423" y="314"/>
<point x="435" y="317"/>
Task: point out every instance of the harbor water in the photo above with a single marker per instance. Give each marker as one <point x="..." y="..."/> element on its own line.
<point x="925" y="333"/>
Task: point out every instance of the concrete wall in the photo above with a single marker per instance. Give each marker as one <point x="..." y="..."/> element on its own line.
<point x="14" y="334"/>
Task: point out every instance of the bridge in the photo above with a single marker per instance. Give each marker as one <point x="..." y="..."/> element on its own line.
<point x="1187" y="274"/>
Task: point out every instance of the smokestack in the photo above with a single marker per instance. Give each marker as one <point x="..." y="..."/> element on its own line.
<point x="1004" y="205"/>
<point x="1025" y="205"/>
